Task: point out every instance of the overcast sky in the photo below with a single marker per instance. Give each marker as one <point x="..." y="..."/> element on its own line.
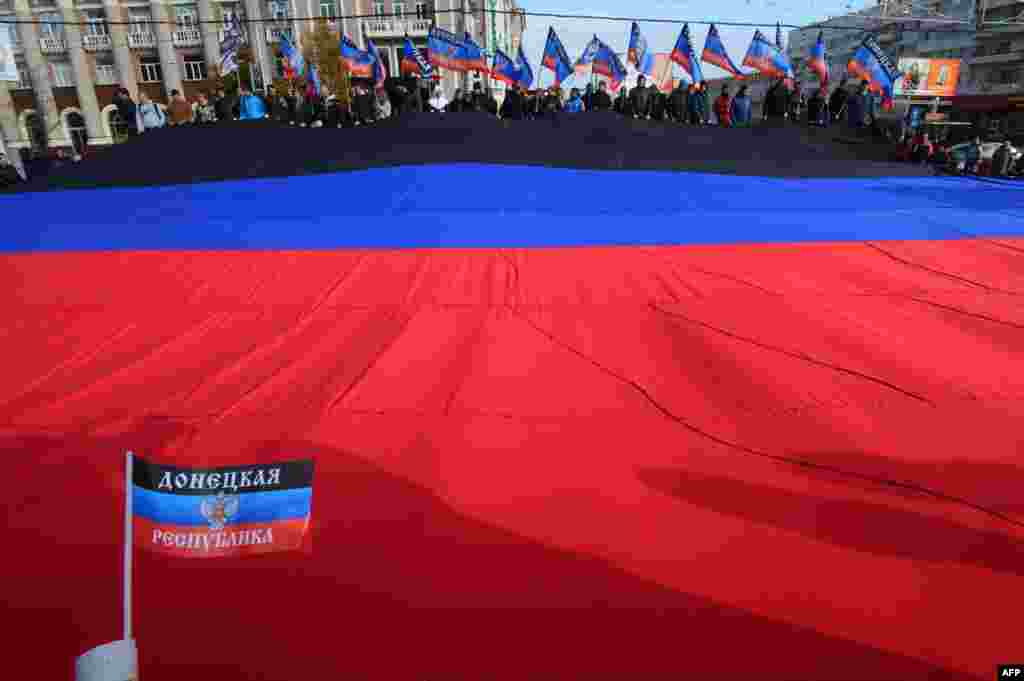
<point x="575" y="33"/>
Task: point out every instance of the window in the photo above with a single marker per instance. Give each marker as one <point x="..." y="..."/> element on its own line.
<point x="186" y="16"/>
<point x="195" y="70"/>
<point x="328" y="9"/>
<point x="279" y="10"/>
<point x="24" y="79"/>
<point x="51" y="25"/>
<point x="150" y="72"/>
<point x="399" y="9"/>
<point x="139" y="22"/>
<point x="106" y="74"/>
<point x="62" y="75"/>
<point x="378" y="8"/>
<point x="421" y="10"/>
<point x="97" y="23"/>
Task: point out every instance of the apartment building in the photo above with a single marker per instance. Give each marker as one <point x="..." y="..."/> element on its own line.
<point x="899" y="36"/>
<point x="72" y="54"/>
<point x="997" y="67"/>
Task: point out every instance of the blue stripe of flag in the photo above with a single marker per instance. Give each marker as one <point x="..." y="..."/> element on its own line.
<point x="253" y="507"/>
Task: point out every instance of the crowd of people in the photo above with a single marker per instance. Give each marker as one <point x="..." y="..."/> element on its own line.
<point x="690" y="104"/>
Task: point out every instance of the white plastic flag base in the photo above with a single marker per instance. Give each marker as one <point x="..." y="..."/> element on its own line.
<point x="115" y="661"/>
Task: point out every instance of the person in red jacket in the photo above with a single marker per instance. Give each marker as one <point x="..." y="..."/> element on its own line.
<point x="723" y="109"/>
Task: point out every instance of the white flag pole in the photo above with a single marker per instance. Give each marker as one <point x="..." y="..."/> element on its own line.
<point x="128" y="534"/>
<point x="117" y="660"/>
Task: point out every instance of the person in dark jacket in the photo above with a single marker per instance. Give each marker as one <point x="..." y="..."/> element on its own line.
<point x="695" y="105"/>
<point x="817" y="109"/>
<point x="838" y="101"/>
<point x="640" y="99"/>
<point x="126" y="110"/>
<point x="860" y="107"/>
<point x="551" y="103"/>
<point x="601" y="101"/>
<point x="677" y="103"/>
<point x="622" y="105"/>
<point x="588" y="97"/>
<point x="224" y="106"/>
<point x="9" y="176"/>
<point x="512" y="107"/>
<point x="659" y="104"/>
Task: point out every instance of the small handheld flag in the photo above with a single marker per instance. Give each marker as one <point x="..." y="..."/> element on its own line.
<point x="818" y="62"/>
<point x="767" y="58"/>
<point x="232" y="511"/>
<point x="638" y="53"/>
<point x="444" y="49"/>
<point x="525" y="70"/>
<point x="414" y="62"/>
<point x="358" y="62"/>
<point x="870" y="63"/>
<point x="556" y="58"/>
<point x="380" y="73"/>
<point x="715" y="53"/>
<point x="683" y="55"/>
<point x="504" y="69"/>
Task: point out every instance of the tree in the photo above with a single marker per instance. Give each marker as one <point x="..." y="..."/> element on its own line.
<point x="322" y="47"/>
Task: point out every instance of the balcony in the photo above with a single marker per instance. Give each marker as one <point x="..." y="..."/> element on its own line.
<point x="93" y="42"/>
<point x="1007" y="57"/>
<point x="51" y="44"/>
<point x="222" y="34"/>
<point x="274" y="34"/>
<point x="141" y="40"/>
<point x="396" y="27"/>
<point x="188" y="37"/>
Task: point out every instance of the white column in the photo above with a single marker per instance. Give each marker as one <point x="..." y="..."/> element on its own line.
<point x="258" y="38"/>
<point x="85" y="83"/>
<point x="209" y="30"/>
<point x="126" y="69"/>
<point x="42" y="86"/>
<point x="164" y="27"/>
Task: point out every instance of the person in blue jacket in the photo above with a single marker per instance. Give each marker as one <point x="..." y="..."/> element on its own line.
<point x="575" y="103"/>
<point x="741" y="108"/>
<point x="251" y="107"/>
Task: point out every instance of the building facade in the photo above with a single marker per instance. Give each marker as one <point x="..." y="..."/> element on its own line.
<point x="73" y="54"/>
<point x="997" y="67"/>
<point x="900" y="37"/>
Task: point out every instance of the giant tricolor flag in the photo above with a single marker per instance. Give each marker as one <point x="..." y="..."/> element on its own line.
<point x="358" y="62"/>
<point x="445" y="50"/>
<point x="715" y="53"/>
<point x="683" y="55"/>
<point x="870" y="63"/>
<point x="413" y="61"/>
<point x="220" y="512"/>
<point x="767" y="58"/>
<point x="817" y="62"/>
<point x="556" y="58"/>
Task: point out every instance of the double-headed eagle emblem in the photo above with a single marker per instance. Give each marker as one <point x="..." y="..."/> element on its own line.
<point x="219" y="510"/>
